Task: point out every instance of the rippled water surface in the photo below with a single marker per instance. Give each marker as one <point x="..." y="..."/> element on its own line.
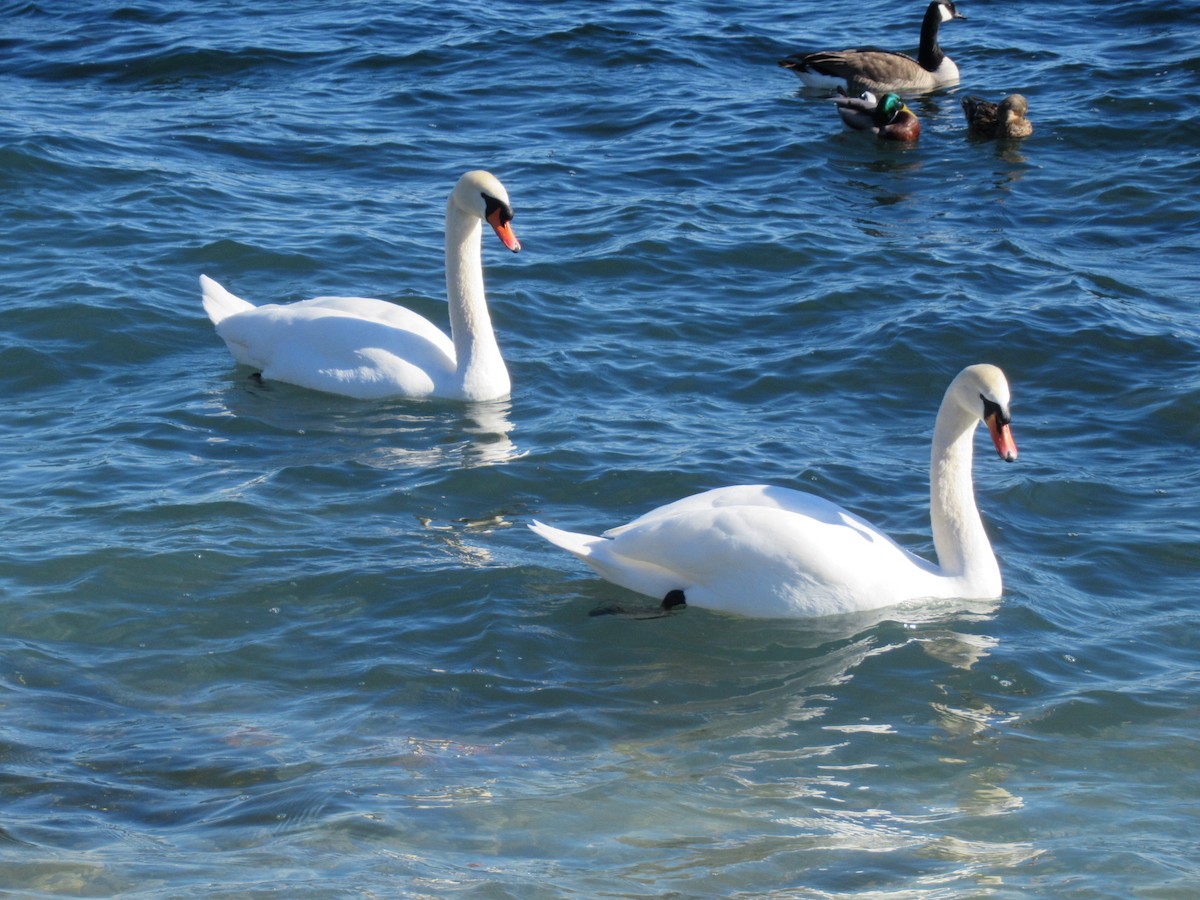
<point x="259" y="641"/>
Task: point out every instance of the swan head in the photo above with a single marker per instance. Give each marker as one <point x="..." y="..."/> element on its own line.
<point x="480" y="194"/>
<point x="982" y="392"/>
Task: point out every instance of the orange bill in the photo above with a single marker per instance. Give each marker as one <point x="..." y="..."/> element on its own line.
<point x="503" y="229"/>
<point x="1002" y="438"/>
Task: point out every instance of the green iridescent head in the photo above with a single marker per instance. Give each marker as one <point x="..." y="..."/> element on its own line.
<point x="888" y="107"/>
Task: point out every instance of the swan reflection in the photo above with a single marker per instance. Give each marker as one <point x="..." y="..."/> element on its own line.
<point x="397" y="434"/>
<point x="808" y="720"/>
<point x="456" y="536"/>
<point x="478" y="435"/>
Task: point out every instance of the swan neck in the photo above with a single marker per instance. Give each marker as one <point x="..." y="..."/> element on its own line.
<point x="962" y="545"/>
<point x="480" y="367"/>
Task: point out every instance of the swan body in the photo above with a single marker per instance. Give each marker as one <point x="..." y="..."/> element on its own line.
<point x="871" y="69"/>
<point x="887" y="117"/>
<point x="766" y="551"/>
<point x="371" y="349"/>
<point x="1005" y="119"/>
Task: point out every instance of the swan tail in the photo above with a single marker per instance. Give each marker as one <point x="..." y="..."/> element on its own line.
<point x="635" y="574"/>
<point x="578" y="545"/>
<point x="218" y="302"/>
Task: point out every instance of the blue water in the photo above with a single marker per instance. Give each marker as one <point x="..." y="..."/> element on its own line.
<point x="258" y="641"/>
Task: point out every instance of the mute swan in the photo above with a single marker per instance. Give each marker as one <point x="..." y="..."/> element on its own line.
<point x="371" y="349"/>
<point x="870" y="69"/>
<point x="769" y="551"/>
<point x="1004" y="120"/>
<point x="888" y="118"/>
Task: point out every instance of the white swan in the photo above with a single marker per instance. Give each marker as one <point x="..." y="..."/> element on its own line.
<point x="371" y="349"/>
<point x="769" y="551"/>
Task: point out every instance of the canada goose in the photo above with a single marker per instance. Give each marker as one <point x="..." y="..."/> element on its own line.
<point x="871" y="69"/>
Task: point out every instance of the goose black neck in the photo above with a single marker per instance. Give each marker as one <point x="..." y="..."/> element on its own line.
<point x="930" y="55"/>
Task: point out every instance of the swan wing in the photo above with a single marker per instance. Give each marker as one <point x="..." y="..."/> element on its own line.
<point x="327" y="349"/>
<point x="771" y="560"/>
<point x="388" y="313"/>
<point x="752" y="495"/>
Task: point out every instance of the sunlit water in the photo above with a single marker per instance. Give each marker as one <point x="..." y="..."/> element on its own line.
<point x="260" y="641"/>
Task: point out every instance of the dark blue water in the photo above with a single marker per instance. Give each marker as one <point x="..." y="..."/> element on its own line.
<point x="258" y="641"/>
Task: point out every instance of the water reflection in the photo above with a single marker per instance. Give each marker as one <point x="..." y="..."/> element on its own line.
<point x="471" y="435"/>
<point x="957" y="649"/>
<point x="395" y="434"/>
<point x="824" y="724"/>
<point x="488" y="426"/>
<point x="457" y="536"/>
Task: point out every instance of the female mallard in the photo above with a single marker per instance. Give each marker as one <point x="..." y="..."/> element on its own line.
<point x="889" y="118"/>
<point x="1004" y="120"/>
<point x="871" y="69"/>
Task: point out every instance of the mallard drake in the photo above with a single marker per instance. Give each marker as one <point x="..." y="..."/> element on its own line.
<point x="1003" y="120"/>
<point x="888" y="117"/>
<point x="871" y="69"/>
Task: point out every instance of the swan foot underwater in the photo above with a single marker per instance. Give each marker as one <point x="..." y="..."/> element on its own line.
<point x="370" y="349"/>
<point x="673" y="601"/>
<point x="764" y="551"/>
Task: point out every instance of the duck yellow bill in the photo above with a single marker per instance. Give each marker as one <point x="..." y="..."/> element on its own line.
<point x="1002" y="438"/>
<point x="503" y="231"/>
